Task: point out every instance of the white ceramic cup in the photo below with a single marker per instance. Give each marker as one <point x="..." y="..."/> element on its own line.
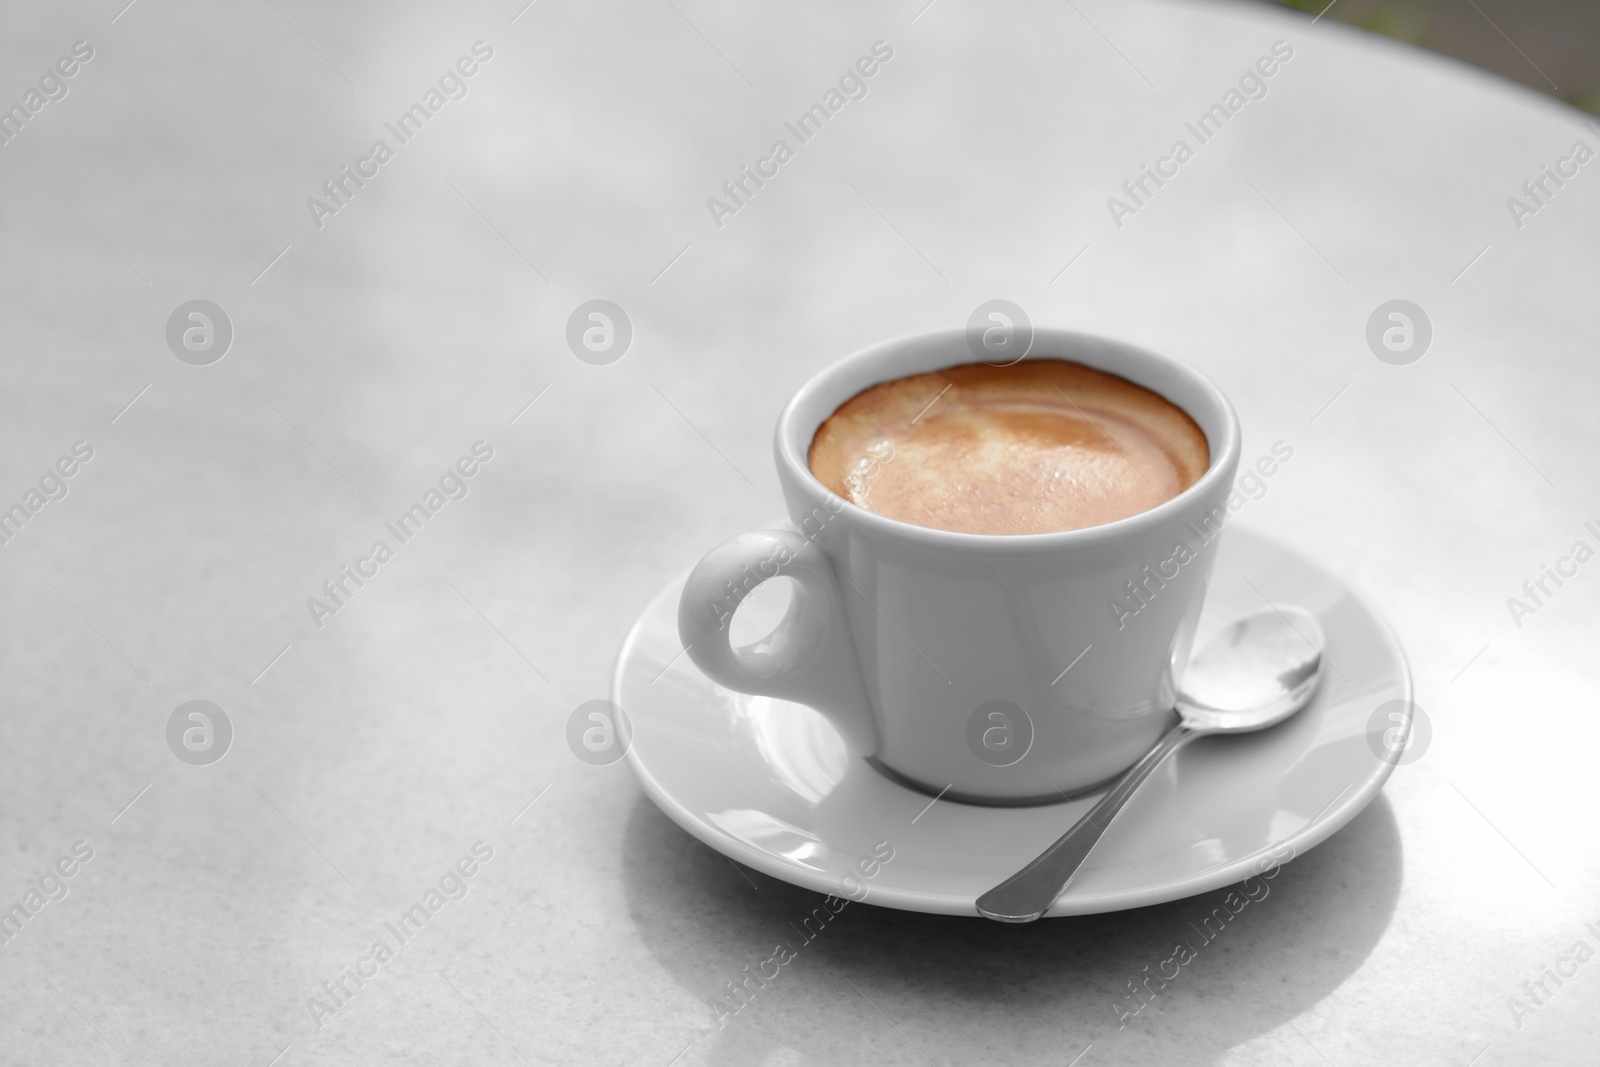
<point x="998" y="669"/>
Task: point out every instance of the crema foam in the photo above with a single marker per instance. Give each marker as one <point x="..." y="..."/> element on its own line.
<point x="1039" y="446"/>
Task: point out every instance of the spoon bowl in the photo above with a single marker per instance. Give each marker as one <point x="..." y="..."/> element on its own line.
<point x="1258" y="672"/>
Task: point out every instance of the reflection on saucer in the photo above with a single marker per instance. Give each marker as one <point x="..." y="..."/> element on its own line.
<point x="800" y="746"/>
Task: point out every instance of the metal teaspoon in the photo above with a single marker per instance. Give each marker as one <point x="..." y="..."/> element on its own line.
<point x="1257" y="672"/>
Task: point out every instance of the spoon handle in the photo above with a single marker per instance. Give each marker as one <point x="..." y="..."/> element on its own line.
<point x="1027" y="894"/>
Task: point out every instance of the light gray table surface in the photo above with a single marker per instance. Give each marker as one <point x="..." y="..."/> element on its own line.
<point x="370" y="753"/>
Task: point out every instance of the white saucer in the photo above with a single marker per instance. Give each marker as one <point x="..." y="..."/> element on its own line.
<point x="769" y="784"/>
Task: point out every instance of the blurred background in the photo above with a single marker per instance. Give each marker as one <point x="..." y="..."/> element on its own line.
<point x="1560" y="36"/>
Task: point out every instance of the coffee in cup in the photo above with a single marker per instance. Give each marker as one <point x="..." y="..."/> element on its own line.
<point x="1032" y="447"/>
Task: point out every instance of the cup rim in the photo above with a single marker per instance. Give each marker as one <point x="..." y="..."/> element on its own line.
<point x="791" y="453"/>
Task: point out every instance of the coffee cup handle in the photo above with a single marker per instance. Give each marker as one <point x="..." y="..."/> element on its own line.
<point x="808" y="658"/>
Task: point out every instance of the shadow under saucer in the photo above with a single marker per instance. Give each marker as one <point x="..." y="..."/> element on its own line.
<point x="966" y="991"/>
